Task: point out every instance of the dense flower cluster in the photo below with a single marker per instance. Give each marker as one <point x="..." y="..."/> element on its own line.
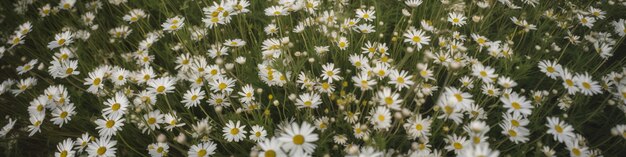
<point x="314" y="78"/>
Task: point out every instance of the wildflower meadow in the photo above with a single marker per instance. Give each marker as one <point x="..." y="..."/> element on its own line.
<point x="276" y="78"/>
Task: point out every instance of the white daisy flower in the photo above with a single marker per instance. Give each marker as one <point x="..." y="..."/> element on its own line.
<point x="153" y="119"/>
<point x="109" y="125"/>
<point x="35" y="123"/>
<point x="586" y="85"/>
<point x="380" y="118"/>
<point x="401" y="79"/>
<point x="162" y="85"/>
<point x="417" y="38"/>
<point x="63" y="114"/>
<point x="247" y="94"/>
<point x="330" y="73"/>
<point x="193" y="97"/>
<point x="61" y="39"/>
<point x="309" y="100"/>
<point x="389" y="99"/>
<point x="102" y="147"/>
<point x="560" y="130"/>
<point x="222" y="84"/>
<point x="173" y="24"/>
<point x="367" y="15"/>
<point x="64" y="149"/>
<point x="26" y="67"/>
<point x="158" y="149"/>
<point x="172" y="121"/>
<point x="116" y="105"/>
<point x="234" y="131"/>
<point x="418" y="127"/>
<point x="457" y="19"/>
<point x="257" y="133"/>
<point x="515" y="103"/>
<point x="271" y="148"/>
<point x="203" y="149"/>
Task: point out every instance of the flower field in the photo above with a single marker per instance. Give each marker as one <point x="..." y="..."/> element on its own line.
<point x="275" y="78"/>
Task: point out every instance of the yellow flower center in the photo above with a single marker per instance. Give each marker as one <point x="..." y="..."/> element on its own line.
<point x="63" y="115"/>
<point x="481" y="41"/>
<point x="222" y="86"/>
<point x="400" y="80"/>
<point x="325" y="85"/>
<point x="381" y="73"/>
<point x="63" y="153"/>
<point x="298" y="139"/>
<point x="110" y="123"/>
<point x="151" y="120"/>
<point x="69" y="71"/>
<point x="483" y="73"/>
<point x="515" y="123"/>
<point x="576" y="151"/>
<point x="97" y="81"/>
<point x="116" y="106"/>
<point x="16" y="40"/>
<point x="101" y="150"/>
<point x="202" y="152"/>
<point x="61" y="42"/>
<point x="417" y="39"/>
<point x="516" y="105"/>
<point x="270" y="153"/>
<point x="586" y="85"/>
<point x="457" y="145"/>
<point x="330" y="73"/>
<point x="458" y="97"/>
<point x="512" y="133"/>
<point x="419" y="127"/>
<point x="558" y="128"/>
<point x="234" y="131"/>
<point x="476" y="139"/>
<point x="160" y="89"/>
<point x="448" y="109"/>
<point x="381" y="118"/>
<point x="388" y="100"/>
